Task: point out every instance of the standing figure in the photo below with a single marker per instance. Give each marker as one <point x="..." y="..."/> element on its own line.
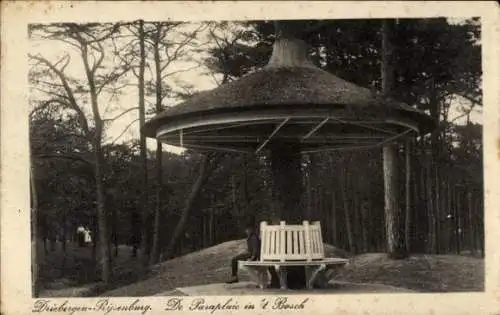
<point x="80" y="235"/>
<point x="87" y="236"/>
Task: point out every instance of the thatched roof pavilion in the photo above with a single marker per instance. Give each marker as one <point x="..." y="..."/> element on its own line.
<point x="288" y="100"/>
<point x="290" y="107"/>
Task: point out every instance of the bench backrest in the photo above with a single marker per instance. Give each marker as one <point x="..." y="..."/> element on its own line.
<point x="291" y="242"/>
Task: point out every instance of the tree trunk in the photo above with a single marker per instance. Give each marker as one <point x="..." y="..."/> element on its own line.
<point x="437" y="202"/>
<point x="481" y="224"/>
<point x="155" y="247"/>
<point x="454" y="232"/>
<point x="211" y="229"/>
<point x="417" y="243"/>
<point x="104" y="259"/>
<point x="472" y="241"/>
<point x="435" y="111"/>
<point x="309" y="177"/>
<point x="114" y="230"/>
<point x="458" y="228"/>
<point x="247" y="209"/>
<point x="64" y="232"/>
<point x="408" y="194"/>
<point x="143" y="151"/>
<point x="396" y="247"/>
<point x="35" y="242"/>
<point x="63" y="243"/>
<point x="333" y="219"/>
<point x="95" y="236"/>
<point x="347" y="216"/>
<point x="234" y="200"/>
<point x="356" y="226"/>
<point x="135" y="223"/>
<point x="422" y="196"/>
<point x="364" y="225"/>
<point x="155" y="251"/>
<point x="449" y="211"/>
<point x="206" y="167"/>
<point x="430" y="209"/>
<point x="477" y="226"/>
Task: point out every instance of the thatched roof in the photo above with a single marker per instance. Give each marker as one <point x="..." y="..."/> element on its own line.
<point x="268" y="95"/>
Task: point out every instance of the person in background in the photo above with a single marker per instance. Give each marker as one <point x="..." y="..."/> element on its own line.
<point x="87" y="236"/>
<point x="80" y="234"/>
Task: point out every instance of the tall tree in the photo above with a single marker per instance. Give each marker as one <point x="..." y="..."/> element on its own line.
<point x="408" y="205"/>
<point x="166" y="51"/>
<point x="155" y="248"/>
<point x="143" y="149"/>
<point x="35" y="235"/>
<point x="89" y="41"/>
<point x="396" y="245"/>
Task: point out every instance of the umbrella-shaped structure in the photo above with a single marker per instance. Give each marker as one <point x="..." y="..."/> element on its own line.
<point x="288" y="107"/>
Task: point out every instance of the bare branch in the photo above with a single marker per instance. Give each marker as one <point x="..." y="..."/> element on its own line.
<point x="110" y="33"/>
<point x="113" y="77"/>
<point x="470" y="99"/>
<point x="51" y="84"/>
<point x="465" y="114"/>
<point x="124" y="130"/>
<point x="77" y="46"/>
<point x="52" y="93"/>
<point x="121" y="114"/>
<point x="215" y="79"/>
<point x="43" y="106"/>
<point x="98" y="63"/>
<point x="135" y="73"/>
<point x="66" y="60"/>
<point x="70" y="96"/>
<point x="168" y="74"/>
<point x="187" y="40"/>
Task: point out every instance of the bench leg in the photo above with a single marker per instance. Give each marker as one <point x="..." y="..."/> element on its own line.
<point x="257" y="276"/>
<point x="308" y="272"/>
<point x="263" y="279"/>
<point x="282" y="275"/>
<point x="311" y="274"/>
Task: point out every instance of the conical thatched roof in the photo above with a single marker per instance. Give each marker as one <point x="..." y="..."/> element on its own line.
<point x="285" y="101"/>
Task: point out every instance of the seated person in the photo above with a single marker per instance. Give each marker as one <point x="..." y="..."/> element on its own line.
<point x="252" y="254"/>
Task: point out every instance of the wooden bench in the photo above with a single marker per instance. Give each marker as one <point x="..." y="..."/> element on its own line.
<point x="290" y="245"/>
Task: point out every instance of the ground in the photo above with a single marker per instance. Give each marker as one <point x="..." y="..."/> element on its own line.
<point x="72" y="273"/>
<point x="424" y="273"/>
<point x="428" y="273"/>
<point x="434" y="273"/>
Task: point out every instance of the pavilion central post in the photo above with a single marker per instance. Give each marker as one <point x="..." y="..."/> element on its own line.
<point x="287" y="181"/>
<point x="288" y="51"/>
